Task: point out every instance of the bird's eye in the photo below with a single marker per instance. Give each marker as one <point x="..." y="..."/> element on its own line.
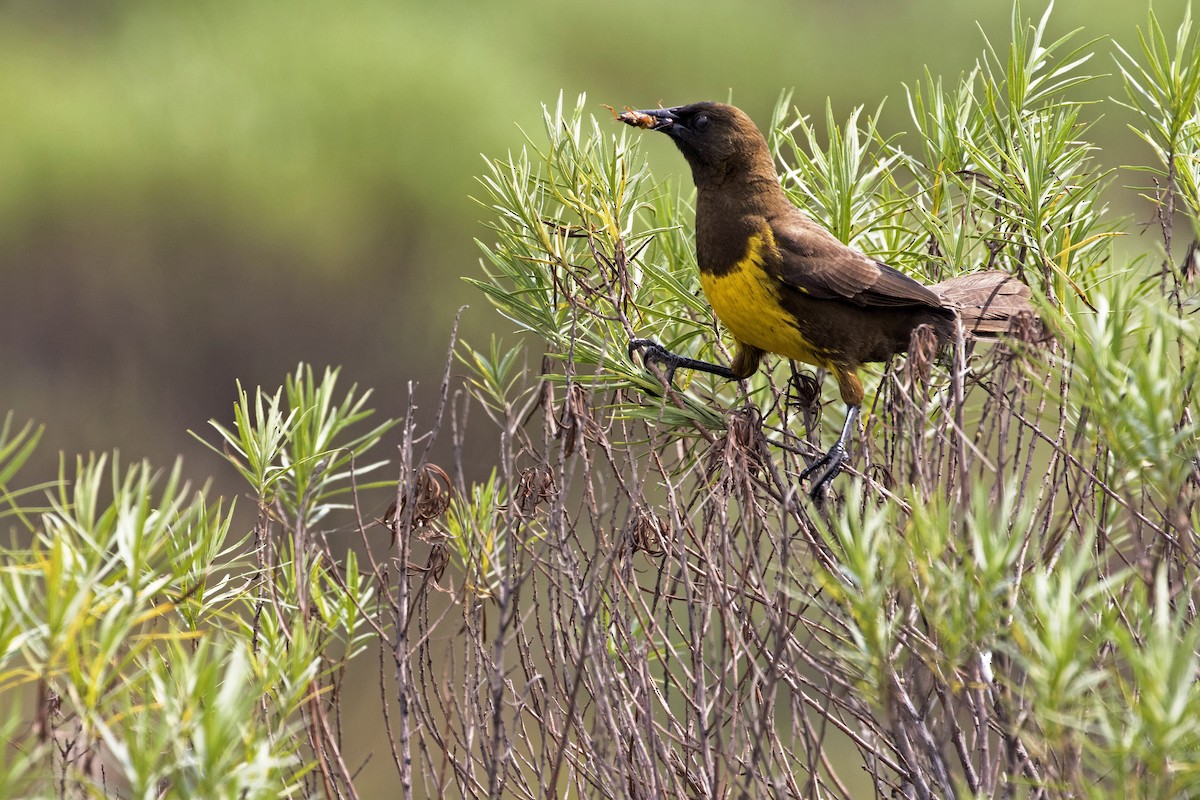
<point x="700" y="123"/>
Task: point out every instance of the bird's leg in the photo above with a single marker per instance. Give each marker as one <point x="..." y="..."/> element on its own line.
<point x="834" y="460"/>
<point x="654" y="353"/>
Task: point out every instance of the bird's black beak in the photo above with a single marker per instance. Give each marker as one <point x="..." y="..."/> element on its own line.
<point x="654" y="119"/>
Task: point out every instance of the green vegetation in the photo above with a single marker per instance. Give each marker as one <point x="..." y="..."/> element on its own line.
<point x="167" y="652"/>
<point x="637" y="600"/>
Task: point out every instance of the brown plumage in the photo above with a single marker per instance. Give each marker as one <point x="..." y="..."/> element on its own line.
<point x="783" y="284"/>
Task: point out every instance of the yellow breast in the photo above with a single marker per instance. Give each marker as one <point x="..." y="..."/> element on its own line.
<point x="747" y="300"/>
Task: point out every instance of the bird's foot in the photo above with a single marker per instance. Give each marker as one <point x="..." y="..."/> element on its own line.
<point x="654" y="353"/>
<point x="832" y="462"/>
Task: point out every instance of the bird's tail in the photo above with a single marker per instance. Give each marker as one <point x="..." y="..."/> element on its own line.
<point x="987" y="302"/>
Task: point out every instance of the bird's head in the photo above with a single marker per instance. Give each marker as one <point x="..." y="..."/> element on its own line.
<point x="719" y="141"/>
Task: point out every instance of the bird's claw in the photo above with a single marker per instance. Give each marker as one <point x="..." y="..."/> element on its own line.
<point x="833" y="462"/>
<point x="654" y="353"/>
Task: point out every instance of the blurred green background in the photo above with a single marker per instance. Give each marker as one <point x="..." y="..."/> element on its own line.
<point x="203" y="191"/>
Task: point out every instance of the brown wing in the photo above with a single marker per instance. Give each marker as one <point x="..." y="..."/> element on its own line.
<point x="816" y="263"/>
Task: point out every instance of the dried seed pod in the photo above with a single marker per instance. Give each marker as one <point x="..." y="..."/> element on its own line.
<point x="431" y="498"/>
<point x="646" y="532"/>
<point x="922" y="349"/>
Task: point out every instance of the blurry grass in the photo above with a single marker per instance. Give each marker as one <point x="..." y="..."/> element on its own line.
<point x="299" y="121"/>
<point x="312" y="123"/>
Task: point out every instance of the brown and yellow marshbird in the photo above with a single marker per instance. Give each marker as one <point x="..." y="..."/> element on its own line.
<point x="783" y="284"/>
